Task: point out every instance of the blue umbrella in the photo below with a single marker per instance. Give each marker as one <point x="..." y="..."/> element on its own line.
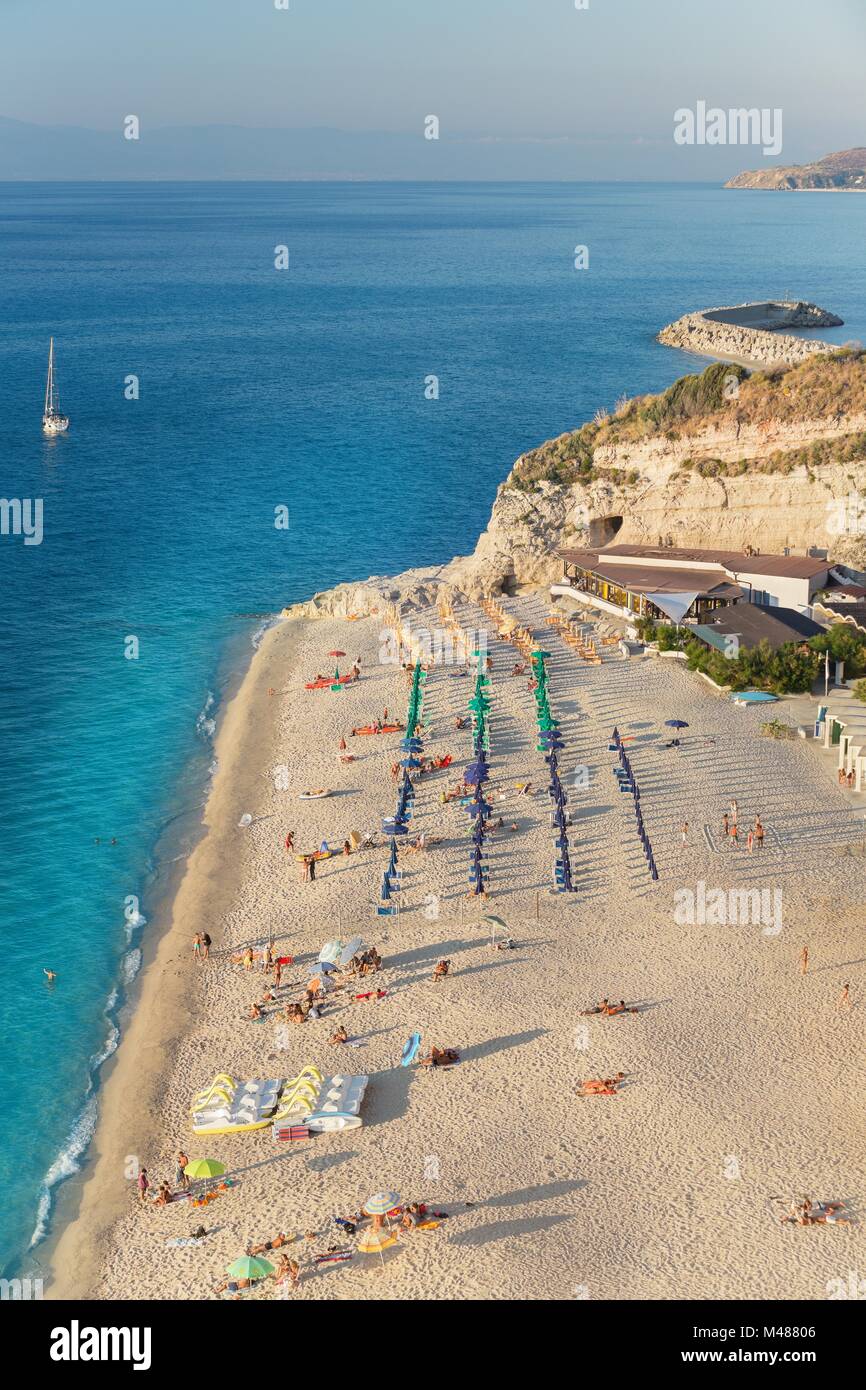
<point x="676" y="724"/>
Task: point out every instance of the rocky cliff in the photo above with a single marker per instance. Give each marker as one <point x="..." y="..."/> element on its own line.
<point x="844" y="171"/>
<point x="690" y="467"/>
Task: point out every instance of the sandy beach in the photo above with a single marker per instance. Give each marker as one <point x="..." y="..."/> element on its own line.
<point x="743" y="1081"/>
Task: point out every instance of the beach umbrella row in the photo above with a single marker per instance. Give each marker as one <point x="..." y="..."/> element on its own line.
<point x="627" y="783"/>
<point x="398" y="824"/>
<point x="476" y="774"/>
<point x="550" y="743"/>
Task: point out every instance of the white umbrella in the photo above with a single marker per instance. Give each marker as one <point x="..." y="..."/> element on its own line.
<point x="331" y="951"/>
<point x="350" y="949"/>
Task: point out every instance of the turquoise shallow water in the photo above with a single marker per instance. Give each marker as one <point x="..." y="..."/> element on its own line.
<point x="260" y="388"/>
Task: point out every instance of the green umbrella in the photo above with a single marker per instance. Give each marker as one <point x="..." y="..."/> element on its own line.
<point x="205" y="1168"/>
<point x="250" y="1267"/>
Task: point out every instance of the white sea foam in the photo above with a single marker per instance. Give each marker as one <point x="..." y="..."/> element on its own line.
<point x="67" y="1162"/>
<point x="205" y="723"/>
<point x="259" y="633"/>
<point x="130" y="966"/>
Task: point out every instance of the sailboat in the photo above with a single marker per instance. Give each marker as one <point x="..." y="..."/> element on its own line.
<point x="52" y="420"/>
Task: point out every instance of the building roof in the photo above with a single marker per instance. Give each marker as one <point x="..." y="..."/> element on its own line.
<point x="753" y="623"/>
<point x="784" y="566"/>
<point x="855" y="612"/>
<point x="655" y="579"/>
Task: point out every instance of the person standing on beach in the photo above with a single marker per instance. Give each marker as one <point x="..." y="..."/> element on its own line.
<point x="733" y="810"/>
<point x="759" y="832"/>
<point x="290" y="841"/>
<point x="205" y="946"/>
<point x="750" y="839"/>
<point x="844" y="998"/>
<point x="804" y="960"/>
<point x="180" y="1178"/>
<point x="196" y="947"/>
<point x="143" y="1185"/>
<point x="684" y="830"/>
<point x="735" y="835"/>
<point x="726" y="829"/>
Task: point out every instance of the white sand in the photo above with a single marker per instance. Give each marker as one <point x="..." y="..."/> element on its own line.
<point x="744" y="1084"/>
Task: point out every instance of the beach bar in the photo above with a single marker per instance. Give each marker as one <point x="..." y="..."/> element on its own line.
<point x="679" y="585"/>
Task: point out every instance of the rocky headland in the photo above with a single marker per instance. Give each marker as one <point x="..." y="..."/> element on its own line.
<point x="722" y="459"/>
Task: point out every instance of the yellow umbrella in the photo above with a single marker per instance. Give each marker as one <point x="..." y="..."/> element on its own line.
<point x="374" y="1242"/>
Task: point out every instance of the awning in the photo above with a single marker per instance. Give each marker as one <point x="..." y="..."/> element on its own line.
<point x="676" y="606"/>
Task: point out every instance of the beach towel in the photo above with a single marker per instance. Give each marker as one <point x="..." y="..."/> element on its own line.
<point x="410" y="1050"/>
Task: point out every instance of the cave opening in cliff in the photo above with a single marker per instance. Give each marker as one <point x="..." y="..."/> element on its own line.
<point x="603" y="529"/>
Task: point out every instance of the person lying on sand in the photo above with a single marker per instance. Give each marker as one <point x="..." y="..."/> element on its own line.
<point x="607" y="1086"/>
<point x="278" y="1241"/>
<point x="807" y="1213"/>
<point x="164" y="1195"/>
<point x="340" y="1036"/>
<point x="440" y="1057"/>
<point x="441" y="970"/>
<point x="621" y="1008"/>
<point x="599" y="1008"/>
<point x="233" y="1286"/>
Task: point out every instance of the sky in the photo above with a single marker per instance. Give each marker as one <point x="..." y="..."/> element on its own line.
<point x="602" y="81"/>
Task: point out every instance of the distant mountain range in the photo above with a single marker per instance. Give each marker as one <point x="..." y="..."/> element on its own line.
<point x="845" y="170"/>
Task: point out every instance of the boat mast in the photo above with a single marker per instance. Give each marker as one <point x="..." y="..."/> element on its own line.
<point x="49" y="385"/>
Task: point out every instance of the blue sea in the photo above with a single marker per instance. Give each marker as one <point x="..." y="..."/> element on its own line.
<point x="257" y="389"/>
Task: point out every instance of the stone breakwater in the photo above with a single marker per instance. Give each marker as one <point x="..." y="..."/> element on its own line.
<point x="752" y="333"/>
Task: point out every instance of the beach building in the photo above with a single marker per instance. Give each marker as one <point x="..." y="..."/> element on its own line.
<point x="751" y="624"/>
<point x="843" y="726"/>
<point x="686" y="585"/>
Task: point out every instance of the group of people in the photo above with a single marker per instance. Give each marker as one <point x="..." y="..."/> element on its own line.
<point x="731" y="830"/>
<point x="165" y="1192"/>
<point x="809" y="1213"/>
<point x="201" y="944"/>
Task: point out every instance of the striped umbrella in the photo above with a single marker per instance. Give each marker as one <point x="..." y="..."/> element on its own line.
<point x="381" y="1203"/>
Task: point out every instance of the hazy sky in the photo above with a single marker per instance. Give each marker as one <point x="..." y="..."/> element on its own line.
<point x="607" y="78"/>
